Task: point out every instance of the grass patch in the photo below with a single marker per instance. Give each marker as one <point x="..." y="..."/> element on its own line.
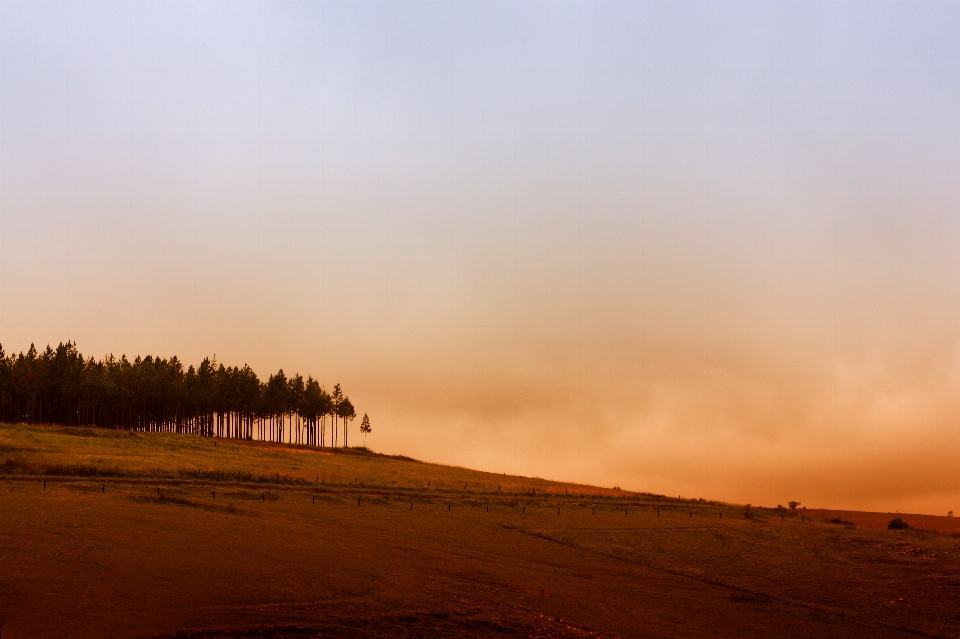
<point x="190" y="503"/>
<point x="19" y="466"/>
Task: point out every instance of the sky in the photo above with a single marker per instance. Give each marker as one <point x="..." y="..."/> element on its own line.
<point x="704" y="249"/>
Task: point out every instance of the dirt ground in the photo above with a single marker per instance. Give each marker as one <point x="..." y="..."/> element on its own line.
<point x="173" y="536"/>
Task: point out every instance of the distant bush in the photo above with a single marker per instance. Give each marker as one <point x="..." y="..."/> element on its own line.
<point x="897" y="523"/>
<point x="842" y="522"/>
<point x="793" y="504"/>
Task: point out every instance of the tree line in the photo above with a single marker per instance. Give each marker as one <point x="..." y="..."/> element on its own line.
<point x="60" y="386"/>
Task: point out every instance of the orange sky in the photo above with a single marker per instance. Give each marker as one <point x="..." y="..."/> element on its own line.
<point x="698" y="249"/>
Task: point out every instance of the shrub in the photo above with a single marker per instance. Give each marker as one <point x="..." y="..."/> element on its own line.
<point x="793" y="504"/>
<point x="842" y="522"/>
<point x="897" y="523"/>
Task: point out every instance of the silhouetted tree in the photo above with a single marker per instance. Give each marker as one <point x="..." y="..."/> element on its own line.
<point x="365" y="428"/>
<point x="347" y="413"/>
<point x="336" y="397"/>
<point x="59" y="386"/>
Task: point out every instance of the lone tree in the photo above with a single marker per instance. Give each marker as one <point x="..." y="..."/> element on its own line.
<point x="365" y="428"/>
<point x="793" y="504"/>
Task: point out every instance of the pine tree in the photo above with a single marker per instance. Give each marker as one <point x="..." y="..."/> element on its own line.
<point x="59" y="386"/>
<point x="365" y="428"/>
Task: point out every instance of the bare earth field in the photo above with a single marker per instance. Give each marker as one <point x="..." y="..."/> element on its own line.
<point x="113" y="534"/>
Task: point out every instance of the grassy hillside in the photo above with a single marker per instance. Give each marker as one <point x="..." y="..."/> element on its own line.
<point x="68" y="452"/>
<point x="173" y="535"/>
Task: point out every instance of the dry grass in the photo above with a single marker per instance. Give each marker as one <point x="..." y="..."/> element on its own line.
<point x="89" y="452"/>
<point x="770" y="571"/>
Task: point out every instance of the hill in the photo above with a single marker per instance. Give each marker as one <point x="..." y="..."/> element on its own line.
<point x="111" y="533"/>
